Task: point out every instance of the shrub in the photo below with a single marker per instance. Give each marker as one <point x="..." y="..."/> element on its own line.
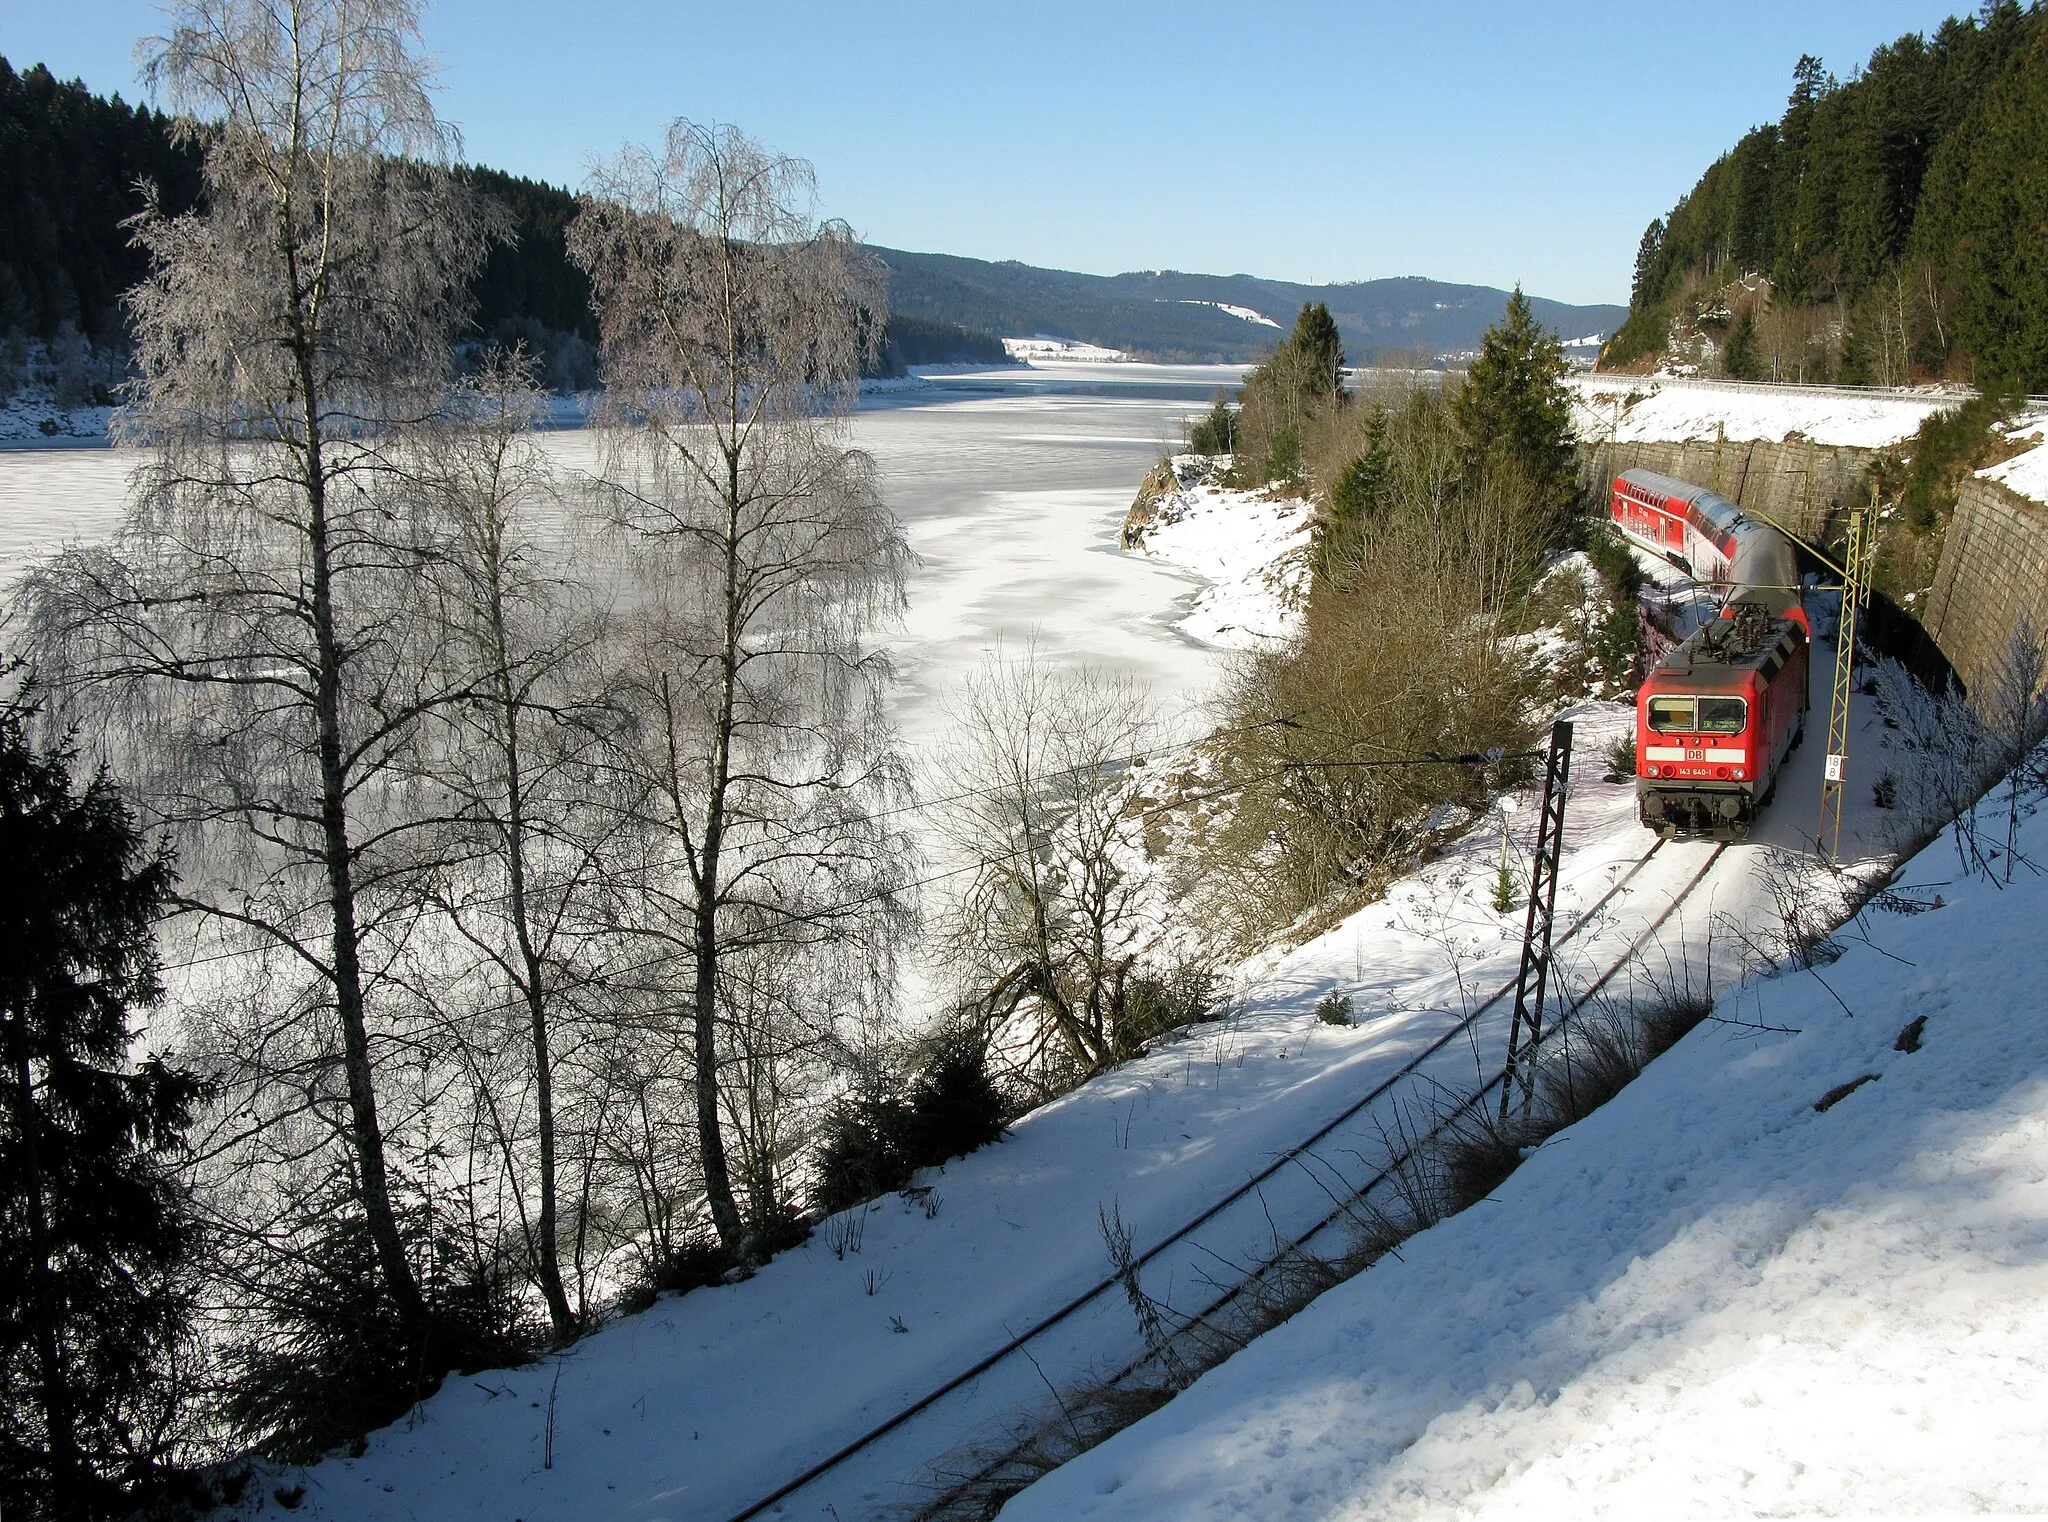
<point x="1621" y="757"/>
<point x="334" y="1361"/>
<point x="874" y="1144"/>
<point x="1158" y="1000"/>
<point x="1215" y="432"/>
<point x="1334" y="1008"/>
<point x="956" y="1106"/>
<point x="1480" y="1150"/>
<point x="1504" y="896"/>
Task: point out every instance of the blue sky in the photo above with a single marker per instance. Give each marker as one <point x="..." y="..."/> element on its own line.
<point x="1486" y="142"/>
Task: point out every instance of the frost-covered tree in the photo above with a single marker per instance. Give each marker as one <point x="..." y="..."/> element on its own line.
<point x="735" y="327"/>
<point x="250" y="648"/>
<point x="1049" y="924"/>
<point x="523" y="850"/>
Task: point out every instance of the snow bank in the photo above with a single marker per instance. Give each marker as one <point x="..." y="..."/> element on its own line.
<point x="2026" y="473"/>
<point x="1250" y="546"/>
<point x="1710" y="1298"/>
<point x="1646" y="409"/>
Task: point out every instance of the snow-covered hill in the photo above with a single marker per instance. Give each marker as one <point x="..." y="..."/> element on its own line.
<point x="1722" y="1295"/>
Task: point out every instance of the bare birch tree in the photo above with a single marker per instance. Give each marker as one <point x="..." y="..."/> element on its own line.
<point x="250" y="644"/>
<point x="526" y="850"/>
<point x="1051" y="922"/>
<point x="735" y="326"/>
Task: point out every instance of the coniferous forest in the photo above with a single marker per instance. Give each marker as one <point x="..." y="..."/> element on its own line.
<point x="75" y="167"/>
<point x="1889" y="227"/>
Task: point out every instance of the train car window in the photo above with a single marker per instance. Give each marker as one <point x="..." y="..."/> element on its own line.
<point x="1671" y="715"/>
<point x="1723" y="716"/>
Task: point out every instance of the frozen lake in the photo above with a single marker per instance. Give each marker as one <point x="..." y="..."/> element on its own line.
<point x="1011" y="483"/>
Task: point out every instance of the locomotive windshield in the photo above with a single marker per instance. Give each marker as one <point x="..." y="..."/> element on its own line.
<point x="1671" y="715"/>
<point x="1698" y="716"/>
<point x="1723" y="716"/>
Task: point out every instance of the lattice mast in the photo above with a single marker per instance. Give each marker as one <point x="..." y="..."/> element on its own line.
<point x="1855" y="589"/>
<point x="1532" y="981"/>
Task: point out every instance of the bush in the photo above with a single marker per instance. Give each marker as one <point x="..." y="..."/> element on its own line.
<point x="956" y="1106"/>
<point x="1621" y="757"/>
<point x="1334" y="1008"/>
<point x="1615" y="562"/>
<point x="334" y="1361"/>
<point x="873" y="1145"/>
<point x="1215" y="432"/>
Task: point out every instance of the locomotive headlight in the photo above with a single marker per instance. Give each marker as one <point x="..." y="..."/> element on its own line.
<point x="1738" y="774"/>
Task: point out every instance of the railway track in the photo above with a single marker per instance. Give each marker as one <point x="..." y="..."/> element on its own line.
<point x="1292" y="1156"/>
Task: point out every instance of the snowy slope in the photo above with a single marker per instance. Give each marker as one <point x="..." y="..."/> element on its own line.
<point x="1251" y="547"/>
<point x="1709" y="1299"/>
<point x="711" y="1400"/>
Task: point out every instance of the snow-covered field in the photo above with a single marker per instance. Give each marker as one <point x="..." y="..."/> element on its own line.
<point x="1062" y="349"/>
<point x="1710" y="1299"/>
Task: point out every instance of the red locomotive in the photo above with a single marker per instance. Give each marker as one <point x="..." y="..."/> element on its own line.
<point x="1716" y="718"/>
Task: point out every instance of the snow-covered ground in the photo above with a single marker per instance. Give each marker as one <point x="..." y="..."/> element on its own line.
<point x="1665" y="409"/>
<point x="711" y="1400"/>
<point x="1251" y="547"/>
<point x="2025" y="473"/>
<point x="1637" y="408"/>
<point x="1710" y="1299"/>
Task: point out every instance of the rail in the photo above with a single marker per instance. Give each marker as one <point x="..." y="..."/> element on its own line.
<point x="1062" y="1313"/>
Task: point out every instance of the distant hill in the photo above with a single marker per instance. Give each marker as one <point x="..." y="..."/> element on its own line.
<point x="1168" y="315"/>
<point x="70" y="162"/>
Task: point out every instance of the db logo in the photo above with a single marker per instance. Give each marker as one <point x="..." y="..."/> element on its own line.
<point x="1695" y="755"/>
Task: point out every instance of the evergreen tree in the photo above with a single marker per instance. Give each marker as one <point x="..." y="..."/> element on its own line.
<point x="1646" y="264"/>
<point x="1514" y="411"/>
<point x="1318" y="351"/>
<point x="1303" y="378"/>
<point x="94" y="1232"/>
<point x="1739" y="358"/>
<point x="1357" y="497"/>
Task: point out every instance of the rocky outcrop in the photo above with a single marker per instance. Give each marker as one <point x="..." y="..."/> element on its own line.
<point x="1161" y="485"/>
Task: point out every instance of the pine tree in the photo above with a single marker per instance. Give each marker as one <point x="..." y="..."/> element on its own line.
<point x="94" y="1232"/>
<point x="1643" y="289"/>
<point x="1318" y="351"/>
<point x="1514" y="411"/>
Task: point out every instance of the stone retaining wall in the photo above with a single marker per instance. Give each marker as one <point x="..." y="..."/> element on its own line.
<point x="1798" y="484"/>
<point x="1994" y="559"/>
<point x="1993" y="576"/>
